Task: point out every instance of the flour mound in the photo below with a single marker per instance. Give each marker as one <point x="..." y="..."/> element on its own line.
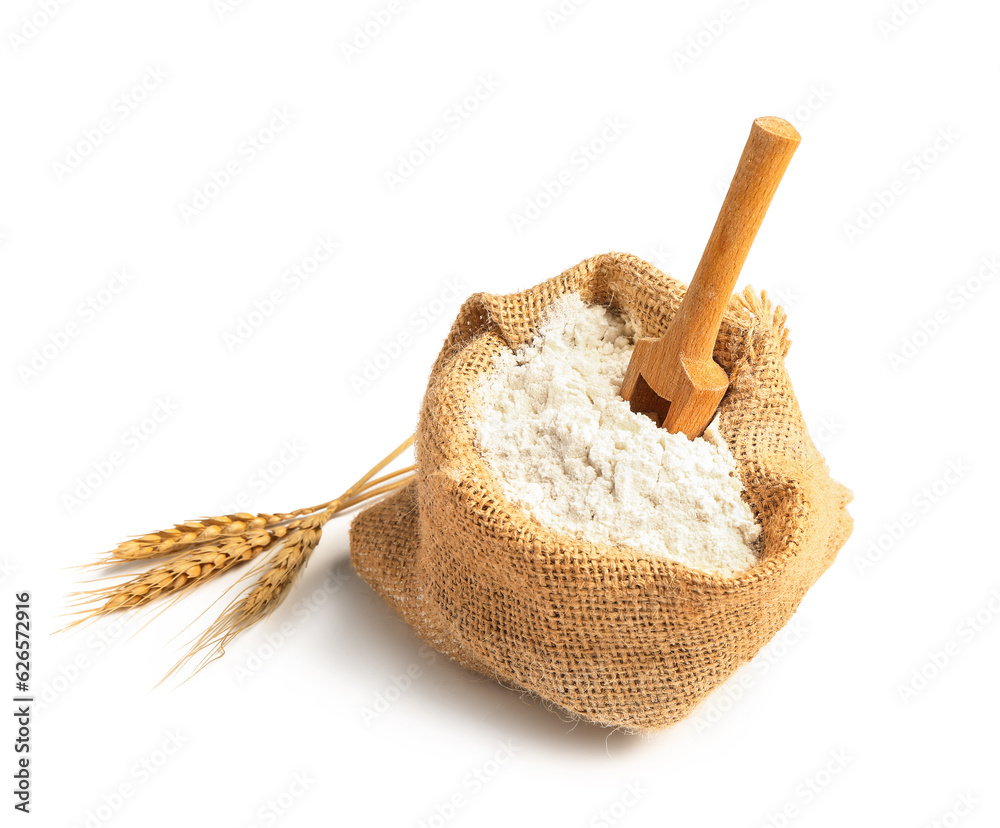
<point x="567" y="448"/>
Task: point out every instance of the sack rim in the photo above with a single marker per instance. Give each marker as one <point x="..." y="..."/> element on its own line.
<point x="741" y="310"/>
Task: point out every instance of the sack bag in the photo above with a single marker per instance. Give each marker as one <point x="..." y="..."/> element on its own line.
<point x="611" y="635"/>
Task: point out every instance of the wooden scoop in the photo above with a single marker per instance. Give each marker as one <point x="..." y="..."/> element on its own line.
<point x="674" y="379"/>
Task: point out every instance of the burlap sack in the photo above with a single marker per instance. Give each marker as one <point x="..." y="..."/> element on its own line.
<point x="612" y="635"/>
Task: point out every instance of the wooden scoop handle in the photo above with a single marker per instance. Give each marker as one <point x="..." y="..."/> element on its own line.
<point x="768" y="150"/>
<point x="674" y="378"/>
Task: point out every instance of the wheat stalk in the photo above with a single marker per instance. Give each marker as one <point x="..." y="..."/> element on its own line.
<point x="199" y="550"/>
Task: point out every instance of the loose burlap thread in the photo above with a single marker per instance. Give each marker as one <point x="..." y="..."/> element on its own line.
<point x="613" y="635"/>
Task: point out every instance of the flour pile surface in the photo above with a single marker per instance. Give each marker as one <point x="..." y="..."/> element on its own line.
<point x="568" y="449"/>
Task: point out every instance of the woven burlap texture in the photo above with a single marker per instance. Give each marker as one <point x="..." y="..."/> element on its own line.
<point x="612" y="635"/>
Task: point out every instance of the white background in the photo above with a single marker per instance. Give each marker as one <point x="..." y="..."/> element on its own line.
<point x="829" y="725"/>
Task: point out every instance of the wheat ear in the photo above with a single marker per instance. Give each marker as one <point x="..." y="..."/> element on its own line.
<point x="274" y="581"/>
<point x="197" y="551"/>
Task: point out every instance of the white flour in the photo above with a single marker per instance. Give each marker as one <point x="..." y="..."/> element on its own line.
<point x="565" y="446"/>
